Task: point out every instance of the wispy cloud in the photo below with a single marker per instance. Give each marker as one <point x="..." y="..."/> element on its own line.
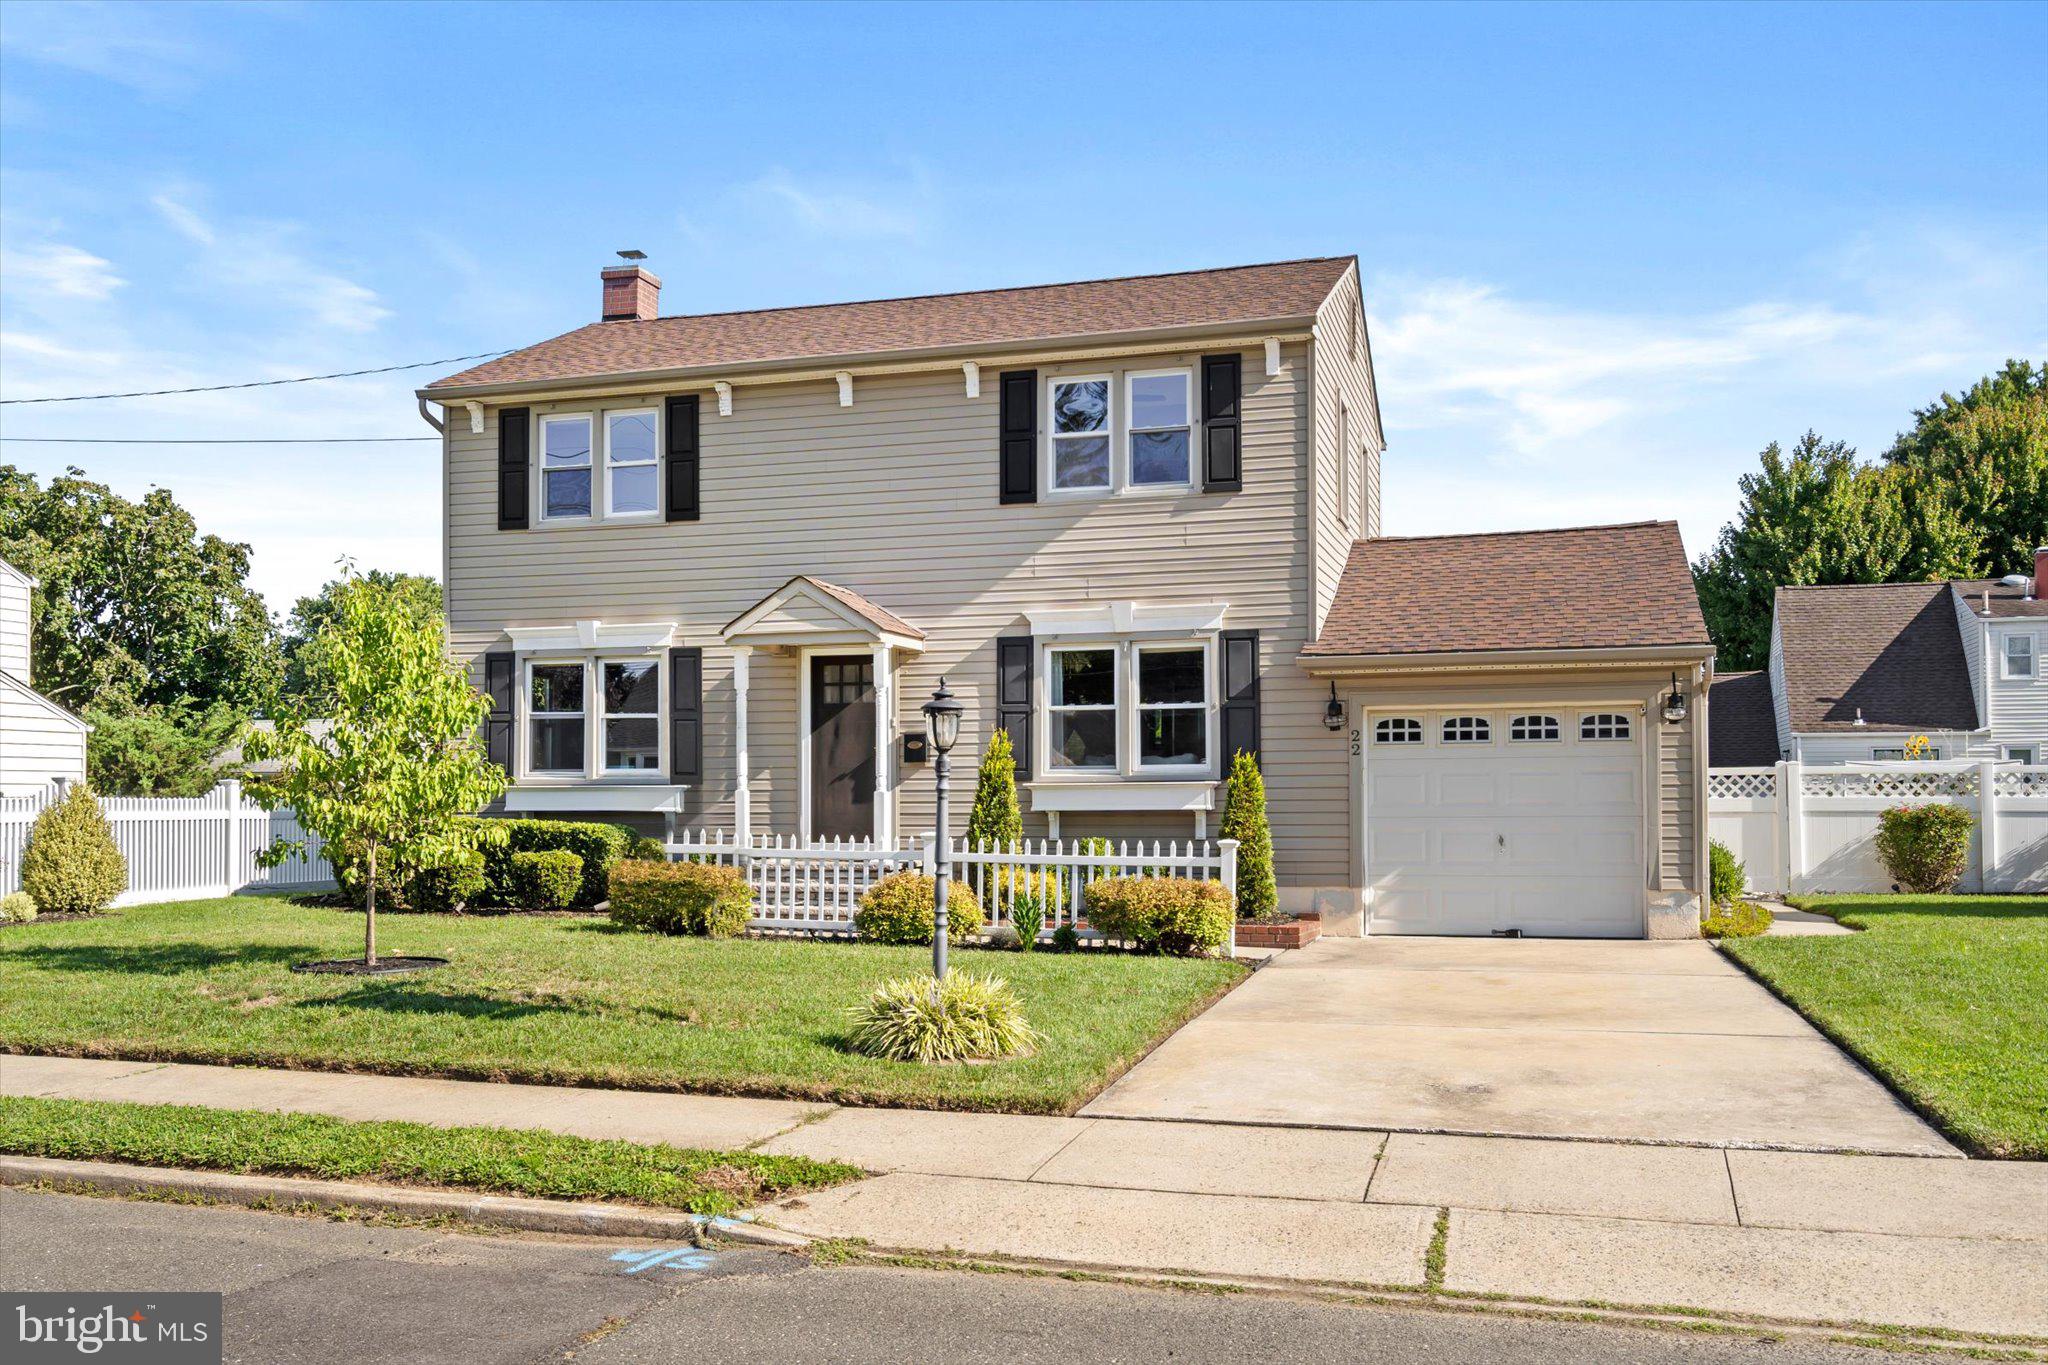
<point x="901" y="208"/>
<point x="262" y="258"/>
<point x="57" y="271"/>
<point x="143" y="47"/>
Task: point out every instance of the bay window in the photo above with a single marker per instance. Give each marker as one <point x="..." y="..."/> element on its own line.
<point x="1082" y="699"/>
<point x="632" y="716"/>
<point x="565" y="467"/>
<point x="593" y="717"/>
<point x="1133" y="709"/>
<point x="632" y="476"/>
<point x="1173" y="706"/>
<point x="555" y="708"/>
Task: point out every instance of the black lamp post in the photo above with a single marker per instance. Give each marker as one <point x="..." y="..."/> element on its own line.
<point x="942" y="721"/>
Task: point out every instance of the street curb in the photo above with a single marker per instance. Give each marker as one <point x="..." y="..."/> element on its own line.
<point x="504" y="1211"/>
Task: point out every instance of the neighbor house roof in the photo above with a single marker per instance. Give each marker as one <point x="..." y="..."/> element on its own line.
<point x="1742" y="729"/>
<point x="1585" y="587"/>
<point x="1891" y="652"/>
<point x="2006" y="600"/>
<point x="990" y="317"/>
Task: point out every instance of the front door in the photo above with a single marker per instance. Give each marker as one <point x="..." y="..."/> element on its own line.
<point x="842" y="792"/>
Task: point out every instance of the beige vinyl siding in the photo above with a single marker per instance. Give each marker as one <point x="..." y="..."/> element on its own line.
<point x="1344" y="401"/>
<point x="896" y="498"/>
<point x="39" y="741"/>
<point x="1677" y="827"/>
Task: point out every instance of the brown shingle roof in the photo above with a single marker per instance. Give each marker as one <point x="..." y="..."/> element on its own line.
<point x="1039" y="313"/>
<point x="2005" y="599"/>
<point x="1587" y="587"/>
<point x="1892" y="651"/>
<point x="887" y="620"/>
<point x="1742" y="729"/>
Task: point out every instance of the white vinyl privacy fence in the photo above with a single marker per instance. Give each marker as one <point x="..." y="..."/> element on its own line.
<point x="816" y="886"/>
<point x="1802" y="829"/>
<point x="180" y="848"/>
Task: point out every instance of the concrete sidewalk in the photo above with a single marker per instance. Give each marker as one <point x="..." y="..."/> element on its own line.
<point x="1957" y="1245"/>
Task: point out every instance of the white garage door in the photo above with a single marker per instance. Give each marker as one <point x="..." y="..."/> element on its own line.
<point x="1479" y="821"/>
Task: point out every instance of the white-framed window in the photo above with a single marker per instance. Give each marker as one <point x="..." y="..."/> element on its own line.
<point x="1082" y="431"/>
<point x="1605" y="725"/>
<point x="565" y="466"/>
<point x="1397" y="730"/>
<point x="632" y="470"/>
<point x="557" y="719"/>
<point x="2017" y="656"/>
<point x="1346" y="494"/>
<point x="1173" y="706"/>
<point x="1535" y="729"/>
<point x="1161" y="436"/>
<point x="631" y="696"/>
<point x="1467" y="730"/>
<point x="2029" y="754"/>
<point x="1896" y="753"/>
<point x="1081" y="703"/>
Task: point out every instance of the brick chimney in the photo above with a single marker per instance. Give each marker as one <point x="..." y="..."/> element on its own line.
<point x="2040" y="571"/>
<point x="632" y="293"/>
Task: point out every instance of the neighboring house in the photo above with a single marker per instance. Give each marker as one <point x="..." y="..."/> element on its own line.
<point x="1858" y="671"/>
<point x="708" y="569"/>
<point x="40" y="742"/>
<point x="230" y="763"/>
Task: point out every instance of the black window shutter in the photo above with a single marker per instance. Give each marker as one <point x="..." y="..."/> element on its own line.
<point x="1018" y="391"/>
<point x="1013" y="696"/>
<point x="686" y="715"/>
<point x="682" y="458"/>
<point x="1222" y="423"/>
<point x="1240" y="694"/>
<point x="514" y="467"/>
<point x="501" y="667"/>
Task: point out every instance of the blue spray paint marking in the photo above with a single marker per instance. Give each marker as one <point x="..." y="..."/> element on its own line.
<point x="677" y="1258"/>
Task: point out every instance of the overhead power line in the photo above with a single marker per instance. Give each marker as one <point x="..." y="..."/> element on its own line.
<point x="258" y="383"/>
<point x="212" y="440"/>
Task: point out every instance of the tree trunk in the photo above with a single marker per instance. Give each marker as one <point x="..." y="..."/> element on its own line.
<point x="370" y="913"/>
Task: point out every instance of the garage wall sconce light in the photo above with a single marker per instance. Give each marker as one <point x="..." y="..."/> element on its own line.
<point x="1333" y="714"/>
<point x="1674" y="705"/>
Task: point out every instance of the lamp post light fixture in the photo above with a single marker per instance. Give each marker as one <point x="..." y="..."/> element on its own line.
<point x="942" y="722"/>
<point x="1674" y="705"/>
<point x="1333" y="713"/>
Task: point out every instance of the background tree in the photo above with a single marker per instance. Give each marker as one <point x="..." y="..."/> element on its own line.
<point x="1989" y="450"/>
<point x="390" y="783"/>
<point x="158" y="750"/>
<point x="306" y="671"/>
<point x="996" y="819"/>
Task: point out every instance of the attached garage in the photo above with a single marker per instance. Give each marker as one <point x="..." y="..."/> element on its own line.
<point x="1527" y="721"/>
<point x="1528" y="820"/>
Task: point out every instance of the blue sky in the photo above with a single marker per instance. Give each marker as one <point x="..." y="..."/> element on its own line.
<point x="1609" y="251"/>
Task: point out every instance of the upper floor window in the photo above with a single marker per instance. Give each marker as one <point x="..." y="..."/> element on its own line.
<point x="1468" y="730"/>
<point x="565" y="466"/>
<point x="1080" y="433"/>
<point x="1397" y="730"/>
<point x="1161" y="430"/>
<point x="1533" y="728"/>
<point x="2018" y="653"/>
<point x="1124" y="432"/>
<point x="1604" y="725"/>
<point x="632" y="476"/>
<point x="1346" y="494"/>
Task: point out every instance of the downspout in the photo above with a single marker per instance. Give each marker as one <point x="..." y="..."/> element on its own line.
<point x="427" y="416"/>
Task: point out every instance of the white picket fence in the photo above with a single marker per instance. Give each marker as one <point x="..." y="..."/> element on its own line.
<point x="1804" y="829"/>
<point x="817" y="886"/>
<point x="180" y="848"/>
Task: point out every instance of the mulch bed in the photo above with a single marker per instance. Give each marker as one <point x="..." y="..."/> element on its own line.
<point x="383" y="966"/>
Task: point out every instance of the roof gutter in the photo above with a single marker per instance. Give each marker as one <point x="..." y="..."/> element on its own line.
<point x="1485" y="660"/>
<point x="791" y="369"/>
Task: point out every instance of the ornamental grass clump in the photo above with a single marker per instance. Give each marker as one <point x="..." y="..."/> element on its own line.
<point x="960" y="1019"/>
<point x="1925" y="847"/>
<point x="71" y="865"/>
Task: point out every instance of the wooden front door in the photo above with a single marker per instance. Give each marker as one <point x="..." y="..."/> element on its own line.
<point x="842" y="792"/>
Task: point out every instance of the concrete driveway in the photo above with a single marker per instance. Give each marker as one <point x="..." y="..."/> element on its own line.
<point x="1629" y="1041"/>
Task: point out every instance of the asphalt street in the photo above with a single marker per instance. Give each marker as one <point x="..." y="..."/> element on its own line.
<point x="307" y="1290"/>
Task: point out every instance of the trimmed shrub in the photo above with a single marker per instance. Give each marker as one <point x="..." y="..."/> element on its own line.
<point x="71" y="865"/>
<point x="1244" y="819"/>
<point x="447" y="888"/>
<point x="17" y="907"/>
<point x="598" y="846"/>
<point x="681" y="898"/>
<point x="1737" y="919"/>
<point x="546" y="880"/>
<point x="646" y="850"/>
<point x="1925" y="847"/>
<point x="962" y="1018"/>
<point x="1176" y="915"/>
<point x="1727" y="878"/>
<point x="899" y="909"/>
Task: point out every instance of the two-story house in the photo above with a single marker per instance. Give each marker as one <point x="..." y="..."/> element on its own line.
<point x="708" y="568"/>
<point x="1858" y="671"/>
<point x="40" y="742"/>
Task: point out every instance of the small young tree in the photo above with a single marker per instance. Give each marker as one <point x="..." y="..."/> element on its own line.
<point x="1244" y="819"/>
<point x="996" y="819"/>
<point x="390" y="781"/>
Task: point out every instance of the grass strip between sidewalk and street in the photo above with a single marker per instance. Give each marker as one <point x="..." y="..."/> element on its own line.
<point x="488" y="1160"/>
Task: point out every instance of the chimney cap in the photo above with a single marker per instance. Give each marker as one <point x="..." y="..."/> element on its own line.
<point x="631" y="255"/>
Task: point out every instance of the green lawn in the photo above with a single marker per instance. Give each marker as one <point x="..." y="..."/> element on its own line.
<point x="1946" y="997"/>
<point x="494" y="1160"/>
<point x="566" y="1000"/>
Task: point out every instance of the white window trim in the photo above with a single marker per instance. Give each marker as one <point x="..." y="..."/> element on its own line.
<point x="1345" y="493"/>
<point x="2005" y="668"/>
<point x="1109" y="432"/>
<point x="1122" y="458"/>
<point x="652" y="462"/>
<point x="605" y="715"/>
<point x="2012" y="753"/>
<point x="594" y="716"/>
<point x="540" y="464"/>
<point x="1128" y="769"/>
<point x="1117" y="427"/>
